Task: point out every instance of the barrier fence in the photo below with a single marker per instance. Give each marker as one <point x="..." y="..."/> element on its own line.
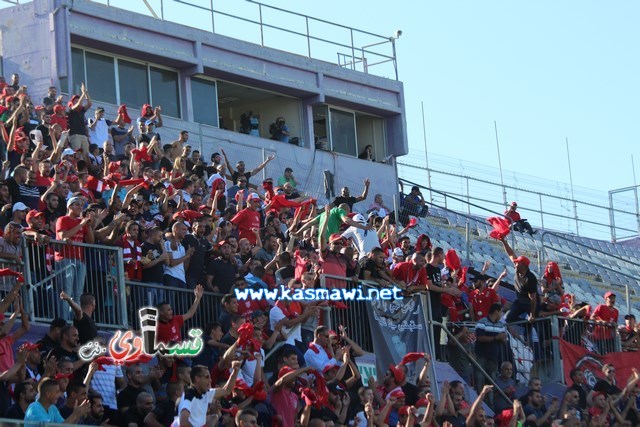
<point x="53" y="266"/>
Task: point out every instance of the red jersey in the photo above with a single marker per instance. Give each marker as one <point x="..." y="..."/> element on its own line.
<point x="404" y="271"/>
<point x="607" y="314"/>
<point x="246" y="220"/>
<point x="170" y="331"/>
<point x="65" y="223"/>
<point x="43" y="181"/>
<point x="449" y="302"/>
<point x="512" y="215"/>
<point x="482" y="300"/>
<point x="248" y="306"/>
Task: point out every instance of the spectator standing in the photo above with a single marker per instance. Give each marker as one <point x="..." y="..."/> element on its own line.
<point x="153" y="260"/>
<point x="99" y="127"/>
<point x="364" y="241"/>
<point x="77" y="128"/>
<point x="83" y="316"/>
<point x="345" y="196"/>
<point x="628" y="334"/>
<point x="491" y="338"/>
<point x="507" y="384"/>
<point x="526" y="287"/>
<point x="174" y="270"/>
<point x="320" y="352"/>
<point x="169" y="327"/>
<point x="221" y="272"/>
<point x="70" y="259"/>
<point x="607" y="317"/>
<point x="195" y="272"/>
<point x="248" y="219"/>
<point x="287" y="178"/>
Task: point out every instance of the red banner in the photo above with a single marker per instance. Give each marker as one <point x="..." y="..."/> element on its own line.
<point x="574" y="356"/>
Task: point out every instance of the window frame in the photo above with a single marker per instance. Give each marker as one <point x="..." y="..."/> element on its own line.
<point x="205" y="78"/>
<point x="147" y="65"/>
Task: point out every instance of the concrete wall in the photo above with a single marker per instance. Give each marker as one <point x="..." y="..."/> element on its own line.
<point x="36" y="42"/>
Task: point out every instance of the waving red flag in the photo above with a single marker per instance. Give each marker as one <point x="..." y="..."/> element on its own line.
<point x="501" y="227"/>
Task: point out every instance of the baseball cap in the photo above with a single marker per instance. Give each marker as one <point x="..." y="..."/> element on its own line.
<point x="33" y="213"/>
<point x="514" y="204"/>
<point x="398" y="394"/>
<point x="372" y="214"/>
<point x="629" y="316"/>
<point x="58" y="107"/>
<point x="398" y="374"/>
<point x="359" y="218"/>
<point x="19" y="207"/>
<point x="253" y="196"/>
<point x="68" y="152"/>
<point x="522" y="260"/>
<point x="284" y="371"/>
<point x="609" y="294"/>
<point x="398" y="252"/>
<point x="73" y="200"/>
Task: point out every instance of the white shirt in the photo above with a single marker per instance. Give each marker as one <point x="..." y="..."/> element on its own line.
<point x="317" y="357"/>
<point x="294" y="334"/>
<point x="249" y="369"/>
<point x="178" y="270"/>
<point x="196" y="405"/>
<point x="100" y="133"/>
<point x="364" y="240"/>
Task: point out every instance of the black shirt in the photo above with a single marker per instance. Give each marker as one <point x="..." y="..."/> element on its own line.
<point x="606" y="388"/>
<point x="348" y="200"/>
<point x="127" y="397"/>
<point x="433" y="273"/>
<point x="236" y="175"/>
<point x="15" y="412"/>
<point x="367" y="264"/>
<point x="196" y="263"/>
<point x="224" y="273"/>
<point x="77" y="121"/>
<point x="165" y="412"/>
<point x="524" y="285"/>
<point x="133" y="416"/>
<point x="154" y="274"/>
<point x="86" y="327"/>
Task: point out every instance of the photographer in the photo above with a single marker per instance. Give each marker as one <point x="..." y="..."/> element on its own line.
<point x="279" y="130"/>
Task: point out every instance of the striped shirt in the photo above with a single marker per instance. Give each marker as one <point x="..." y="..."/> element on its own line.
<point x="486" y="328"/>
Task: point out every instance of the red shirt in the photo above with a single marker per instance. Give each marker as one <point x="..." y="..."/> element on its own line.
<point x="170" y="331"/>
<point x="248" y="306"/>
<point x="43" y="181"/>
<point x="450" y="303"/>
<point x="607" y="314"/>
<point x="285" y="402"/>
<point x="246" y="220"/>
<point x="65" y="223"/>
<point x="404" y="271"/>
<point x="481" y="301"/>
<point x="512" y="215"/>
<point x="62" y="121"/>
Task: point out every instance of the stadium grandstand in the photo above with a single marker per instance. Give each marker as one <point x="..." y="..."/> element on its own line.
<point x="165" y="187"/>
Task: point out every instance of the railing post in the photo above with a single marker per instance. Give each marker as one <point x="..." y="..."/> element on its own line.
<point x="306" y="18"/>
<point x="558" y="373"/>
<point x="628" y="295"/>
<point x="353" y="51"/>
<point x="261" y="27"/>
<point x="467" y="237"/>
<point x="635" y="195"/>
<point x="468" y="197"/>
<point x="541" y="211"/>
<point x="575" y="216"/>
<point x="26" y="272"/>
<point x="213" y="23"/>
<point x="122" y="289"/>
<point x="612" y="220"/>
<point x="426" y="311"/>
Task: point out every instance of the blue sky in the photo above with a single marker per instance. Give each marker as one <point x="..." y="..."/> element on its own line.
<point x="544" y="70"/>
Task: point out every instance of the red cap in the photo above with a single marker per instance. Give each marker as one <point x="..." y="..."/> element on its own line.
<point x="329" y="367"/>
<point x="31" y="346"/>
<point x="609" y="294"/>
<point x="284" y="371"/>
<point x="61" y="376"/>
<point x="522" y="260"/>
<point x="398" y="374"/>
<point x="57" y="108"/>
<point x="398" y="394"/>
<point x="514" y="204"/>
<point x="72" y="178"/>
<point x="242" y="386"/>
<point x="422" y="403"/>
<point x="332" y="333"/>
<point x="33" y="213"/>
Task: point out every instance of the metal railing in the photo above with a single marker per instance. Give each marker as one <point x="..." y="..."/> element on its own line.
<point x="594" y="218"/>
<point x="260" y="23"/>
<point x="55" y="266"/>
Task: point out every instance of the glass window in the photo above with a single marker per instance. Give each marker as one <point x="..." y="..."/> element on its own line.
<point x="101" y="78"/>
<point x="205" y="102"/>
<point x="77" y="68"/>
<point x="134" y="85"/>
<point x="164" y="91"/>
<point x="343" y="132"/>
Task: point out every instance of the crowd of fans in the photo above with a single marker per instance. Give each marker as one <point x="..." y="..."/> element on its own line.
<point x="185" y="223"/>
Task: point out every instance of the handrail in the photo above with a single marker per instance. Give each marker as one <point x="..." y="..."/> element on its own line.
<point x="473" y="360"/>
<point x="511" y="187"/>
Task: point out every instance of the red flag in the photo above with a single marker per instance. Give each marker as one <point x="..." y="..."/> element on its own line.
<point x="411" y="357"/>
<point x="501" y="227"/>
<point x="452" y="260"/>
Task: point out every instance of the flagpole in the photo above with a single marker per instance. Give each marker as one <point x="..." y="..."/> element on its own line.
<point x="504" y="191"/>
<point x="426" y="154"/>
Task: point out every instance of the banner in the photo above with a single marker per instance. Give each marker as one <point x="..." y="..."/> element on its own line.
<point x="574" y="356"/>
<point x="397" y="328"/>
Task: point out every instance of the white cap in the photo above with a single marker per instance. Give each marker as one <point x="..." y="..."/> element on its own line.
<point x="68" y="152"/>
<point x="20" y="207"/>
<point x="359" y="218"/>
<point x="398" y="252"/>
